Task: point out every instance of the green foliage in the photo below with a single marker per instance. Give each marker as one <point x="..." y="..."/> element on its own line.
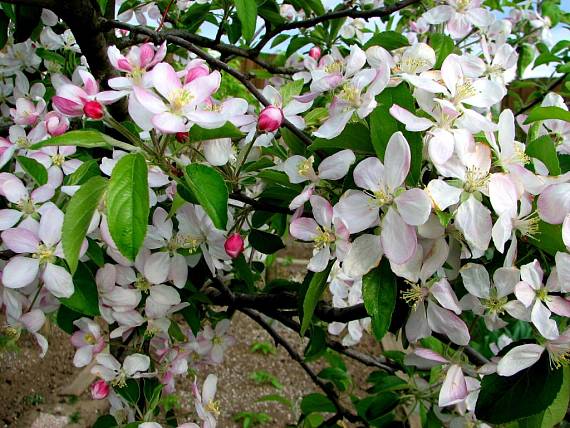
<point x="209" y="188"/>
<point x="85" y="299"/>
<point x="264" y="242"/>
<point x="265" y="348"/>
<point x="251" y="419"/>
<point x="34" y="169"/>
<point x="379" y="292"/>
<point x="247" y="14"/>
<point x="128" y="204"/>
<point x="262" y="377"/>
<point x="315" y="289"/>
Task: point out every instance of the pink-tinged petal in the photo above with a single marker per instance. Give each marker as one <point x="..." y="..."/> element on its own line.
<point x="67" y="106"/>
<point x="502" y="231"/>
<point x="505" y="280"/>
<point x="563" y="270"/>
<point x="178" y="273"/>
<point x="473" y="219"/>
<point x="439" y="14"/>
<point x="109" y="97"/>
<point x="506" y="133"/>
<point x="319" y="261"/>
<point x="83" y="356"/>
<point x="9" y="218"/>
<point x="20" y="240"/>
<point x="51" y="224"/>
<point x="203" y="87"/>
<point x="89" y="82"/>
<point x="519" y="358"/>
<point x="446" y="322"/>
<point x="364" y="254"/>
<point x="424" y="358"/>
<point x="476" y="280"/>
<point x="33" y="321"/>
<point x="413" y="123"/>
<point x="451" y="73"/>
<point x="454" y="388"/>
<point x="554" y="203"/>
<point x="165" y="80"/>
<point x="20" y="271"/>
<point x="140" y="115"/>
<point x="441" y="146"/>
<point x="58" y="280"/>
<point x="480" y="17"/>
<point x="417" y="326"/>
<point x="414" y="206"/>
<point x="334" y="125"/>
<point x="559" y="305"/>
<point x="424" y="83"/>
<point x="13" y="189"/>
<point x="566" y="231"/>
<point x="435" y="259"/>
<point x="149" y="101"/>
<point x="304" y="228"/>
<point x="355" y="60"/>
<point x="525" y="293"/>
<point x="396" y="160"/>
<point x="443" y="194"/>
<point x="369" y="174"/>
<point x="458" y="26"/>
<point x="136" y="363"/>
<point x="540" y="317"/>
<point x="357" y="210"/>
<point x="164" y="294"/>
<point x="489" y="93"/>
<point x="156" y="267"/>
<point x="336" y="166"/>
<point x="322" y="210"/>
<point x="299" y="200"/>
<point x="46" y="192"/>
<point x="445" y="295"/>
<point x="399" y="239"/>
<point x="169" y="123"/>
<point x="532" y="274"/>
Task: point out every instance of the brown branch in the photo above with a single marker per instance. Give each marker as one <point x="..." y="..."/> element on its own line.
<point x="326" y="388"/>
<point x="537" y="100"/>
<point x="343" y="13"/>
<point x="260" y="205"/>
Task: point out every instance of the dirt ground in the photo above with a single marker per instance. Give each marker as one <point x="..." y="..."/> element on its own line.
<point x="32" y="389"/>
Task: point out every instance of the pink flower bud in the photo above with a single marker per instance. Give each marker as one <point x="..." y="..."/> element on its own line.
<point x="99" y="389"/>
<point x="315" y="53"/>
<point x="195" y="72"/>
<point x="182" y="137"/>
<point x="234" y="245"/>
<point x="93" y="110"/>
<point x="56" y="123"/>
<point x="270" y="119"/>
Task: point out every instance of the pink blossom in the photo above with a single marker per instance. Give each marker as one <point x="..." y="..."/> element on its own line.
<point x="88" y="341"/>
<point x="270" y="119"/>
<point x="234" y="245"/>
<point x="99" y="389"/>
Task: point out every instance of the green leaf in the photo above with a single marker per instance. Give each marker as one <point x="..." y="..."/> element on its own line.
<point x="316" y="6"/>
<point x="265" y="242"/>
<point x="296" y="146"/>
<point x="548" y="238"/>
<point x="85" y="299"/>
<point x="317" y="403"/>
<point x="279" y="39"/>
<point x="338" y="377"/>
<point x="65" y="317"/>
<point x="130" y="391"/>
<point x="202" y="134"/>
<point x="543" y="149"/>
<point x="526" y="55"/>
<point x="443" y="46"/>
<point x="506" y="398"/>
<point x="105" y="421"/>
<point x="544" y="113"/>
<point x="247" y="14"/>
<point x="128" y="204"/>
<point x="317" y="345"/>
<point x="315" y="289"/>
<point x="210" y="190"/>
<point x="27" y="19"/>
<point x="34" y="169"/>
<point x="275" y="398"/>
<point x="389" y="40"/>
<point x="86" y="170"/>
<point x="78" y="216"/>
<point x="355" y="136"/>
<point x="379" y="292"/>
<point x="88" y="138"/>
<point x="556" y="412"/>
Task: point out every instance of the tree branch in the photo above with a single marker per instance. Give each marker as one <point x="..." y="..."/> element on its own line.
<point x="343" y="13"/>
<point x="552" y="86"/>
<point x="330" y="393"/>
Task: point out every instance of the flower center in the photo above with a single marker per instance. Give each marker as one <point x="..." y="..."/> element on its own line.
<point x="495" y="305"/>
<point x="213" y="407"/>
<point x="142" y="284"/>
<point x="412" y="65"/>
<point x="58" y="159"/>
<point x="529" y="225"/>
<point x="305" y="168"/>
<point x="325" y="238"/>
<point x="89" y="339"/>
<point x="22" y="143"/>
<point x="121" y="380"/>
<point x="464" y="91"/>
<point x="44" y="254"/>
<point x="26" y="206"/>
<point x="179" y="98"/>
<point x="189" y="242"/>
<point x="475" y="179"/>
<point x="382" y="197"/>
<point x="335" y="67"/>
<point x="414" y="295"/>
<point x="542" y="294"/>
<point x="350" y="94"/>
<point x="217" y="340"/>
<point x="462" y="5"/>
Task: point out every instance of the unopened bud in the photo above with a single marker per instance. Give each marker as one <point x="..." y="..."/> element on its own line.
<point x="234" y="245"/>
<point x="270" y="119"/>
<point x="99" y="389"/>
<point x="182" y="137"/>
<point x="315" y="53"/>
<point x="195" y="72"/>
<point x="93" y="110"/>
